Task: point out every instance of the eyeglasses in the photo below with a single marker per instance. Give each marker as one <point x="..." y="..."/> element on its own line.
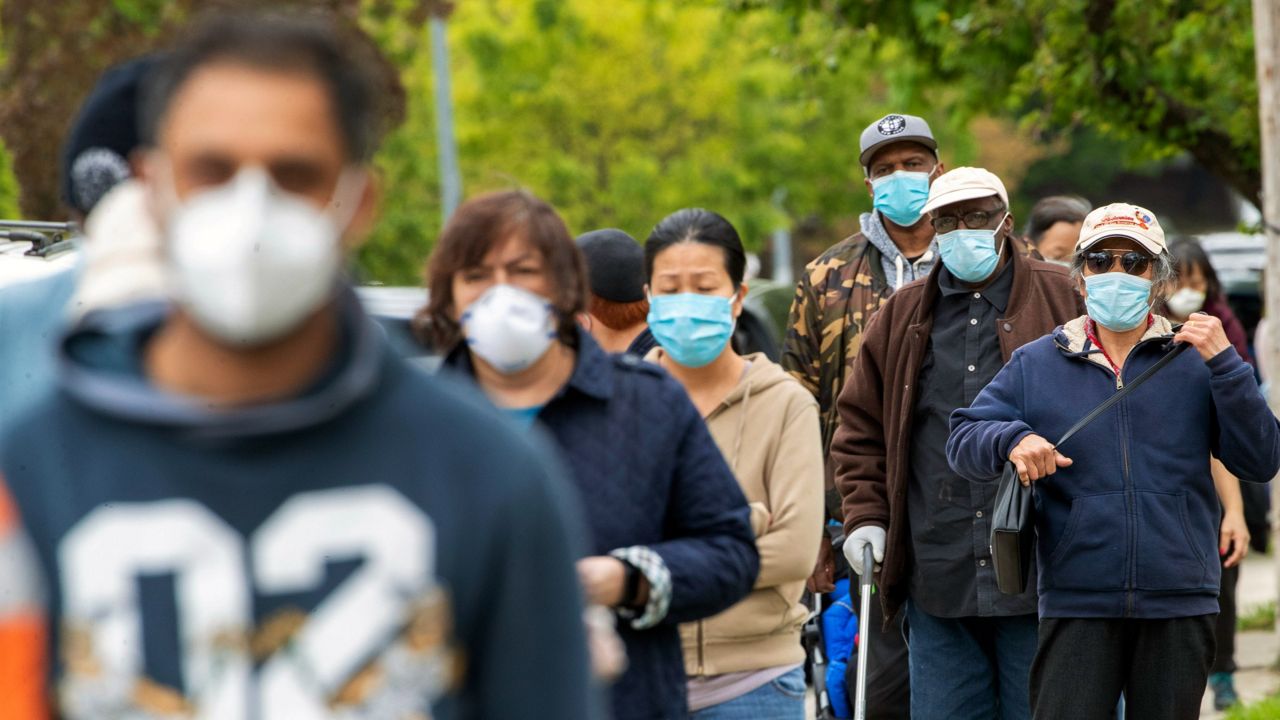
<point x="1103" y="261"/>
<point x="976" y="219"/>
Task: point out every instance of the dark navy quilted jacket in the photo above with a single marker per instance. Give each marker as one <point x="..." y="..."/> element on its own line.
<point x="650" y="474"/>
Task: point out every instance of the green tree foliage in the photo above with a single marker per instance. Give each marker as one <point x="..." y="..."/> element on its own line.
<point x="1168" y="74"/>
<point x="8" y="186"/>
<point x="51" y="53"/>
<point x="619" y="113"/>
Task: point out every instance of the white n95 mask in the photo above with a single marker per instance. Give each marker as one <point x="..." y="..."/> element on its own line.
<point x="250" y="262"/>
<point x="1186" y="301"/>
<point x="509" y="328"/>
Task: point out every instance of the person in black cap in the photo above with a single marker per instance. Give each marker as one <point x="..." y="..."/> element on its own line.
<point x="617" y="307"/>
<point x="97" y="153"/>
<point x="95" y="160"/>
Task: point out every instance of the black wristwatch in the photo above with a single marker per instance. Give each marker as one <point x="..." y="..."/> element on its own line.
<point x="630" y="585"/>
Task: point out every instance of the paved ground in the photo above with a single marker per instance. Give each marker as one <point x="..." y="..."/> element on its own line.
<point x="1256" y="652"/>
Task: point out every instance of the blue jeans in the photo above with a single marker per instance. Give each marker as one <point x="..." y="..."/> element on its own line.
<point x="780" y="699"/>
<point x="970" y="668"/>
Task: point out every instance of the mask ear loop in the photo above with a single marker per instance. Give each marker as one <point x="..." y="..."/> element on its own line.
<point x="350" y="186"/>
<point x="165" y="187"/>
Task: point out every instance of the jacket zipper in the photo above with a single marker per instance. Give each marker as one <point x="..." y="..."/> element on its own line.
<point x="1130" y="501"/>
<point x="1130" y="494"/>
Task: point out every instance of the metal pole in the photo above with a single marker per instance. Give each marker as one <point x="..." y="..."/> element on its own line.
<point x="782" y="257"/>
<point x="1266" y="33"/>
<point x="864" y="634"/>
<point x="782" y="273"/>
<point x="450" y="180"/>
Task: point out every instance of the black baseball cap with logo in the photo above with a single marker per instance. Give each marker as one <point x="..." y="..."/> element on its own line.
<point x="894" y="128"/>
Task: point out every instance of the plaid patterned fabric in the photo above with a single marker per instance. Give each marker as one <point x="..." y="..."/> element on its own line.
<point x="655" y="571"/>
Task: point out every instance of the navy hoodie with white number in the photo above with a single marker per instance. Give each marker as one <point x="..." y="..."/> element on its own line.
<point x="383" y="545"/>
<point x="1130" y="529"/>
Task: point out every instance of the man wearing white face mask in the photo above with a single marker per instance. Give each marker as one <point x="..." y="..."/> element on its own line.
<point x="291" y="520"/>
<point x="931" y="349"/>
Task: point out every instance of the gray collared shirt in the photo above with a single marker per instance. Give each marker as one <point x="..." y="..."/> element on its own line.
<point x="950" y="517"/>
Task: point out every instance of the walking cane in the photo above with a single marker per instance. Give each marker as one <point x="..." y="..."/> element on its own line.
<point x="864" y="633"/>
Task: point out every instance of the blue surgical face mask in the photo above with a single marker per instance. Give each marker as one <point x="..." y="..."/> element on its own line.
<point x="692" y="328"/>
<point x="1118" y="301"/>
<point x="970" y="255"/>
<point x="901" y="196"/>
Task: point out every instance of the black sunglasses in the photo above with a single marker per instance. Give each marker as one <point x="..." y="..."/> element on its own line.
<point x="1131" y="261"/>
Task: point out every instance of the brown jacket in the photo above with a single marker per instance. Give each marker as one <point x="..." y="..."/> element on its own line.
<point x="871" y="448"/>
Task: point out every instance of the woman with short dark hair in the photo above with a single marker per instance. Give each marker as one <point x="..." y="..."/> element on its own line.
<point x="1199" y="290"/>
<point x="671" y="540"/>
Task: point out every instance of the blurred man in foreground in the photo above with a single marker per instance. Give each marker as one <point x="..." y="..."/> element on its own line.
<point x="265" y="513"/>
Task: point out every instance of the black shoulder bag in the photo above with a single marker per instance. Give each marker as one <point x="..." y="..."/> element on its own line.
<point x="1012" y="527"/>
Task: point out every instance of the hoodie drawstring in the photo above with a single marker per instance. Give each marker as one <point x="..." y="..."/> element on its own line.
<point x="897" y="262"/>
<point x="742" y="428"/>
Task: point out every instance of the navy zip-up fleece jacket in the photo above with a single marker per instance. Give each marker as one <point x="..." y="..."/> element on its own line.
<point x="382" y="544"/>
<point x="651" y="476"/>
<point x="1130" y="529"/>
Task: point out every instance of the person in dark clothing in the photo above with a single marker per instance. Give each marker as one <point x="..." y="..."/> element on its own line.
<point x="1200" y="291"/>
<point x="248" y="506"/>
<point x="931" y="349"/>
<point x="1126" y="513"/>
<point x="836" y="296"/>
<point x="670" y="533"/>
<point x="1054" y="226"/>
<point x="617" y="306"/>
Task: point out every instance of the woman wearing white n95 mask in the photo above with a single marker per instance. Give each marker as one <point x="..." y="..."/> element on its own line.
<point x="670" y="537"/>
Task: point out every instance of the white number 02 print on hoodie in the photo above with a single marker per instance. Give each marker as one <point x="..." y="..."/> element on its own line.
<point x="376" y="646"/>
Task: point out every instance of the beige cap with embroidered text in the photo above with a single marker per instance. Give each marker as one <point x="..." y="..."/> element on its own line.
<point x="1122" y="220"/>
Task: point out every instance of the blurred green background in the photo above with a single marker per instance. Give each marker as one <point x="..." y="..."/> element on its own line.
<point x="620" y="112"/>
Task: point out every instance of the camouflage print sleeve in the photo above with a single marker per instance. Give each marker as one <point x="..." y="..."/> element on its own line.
<point x="802" y="348"/>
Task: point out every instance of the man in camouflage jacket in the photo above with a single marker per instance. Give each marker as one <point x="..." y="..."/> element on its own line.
<point x="840" y="290"/>
<point x="835" y="298"/>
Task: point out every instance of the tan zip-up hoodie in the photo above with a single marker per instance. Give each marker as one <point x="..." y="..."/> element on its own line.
<point x="768" y="431"/>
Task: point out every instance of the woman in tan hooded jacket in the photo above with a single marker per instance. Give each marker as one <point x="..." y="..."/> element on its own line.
<point x="745" y="662"/>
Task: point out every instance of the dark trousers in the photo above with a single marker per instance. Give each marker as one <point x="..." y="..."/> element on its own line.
<point x="1225" y="659"/>
<point x="1082" y="666"/>
<point x="888" y="674"/>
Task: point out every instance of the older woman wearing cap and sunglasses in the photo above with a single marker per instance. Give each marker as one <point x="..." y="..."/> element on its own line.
<point x="1126" y="513"/>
